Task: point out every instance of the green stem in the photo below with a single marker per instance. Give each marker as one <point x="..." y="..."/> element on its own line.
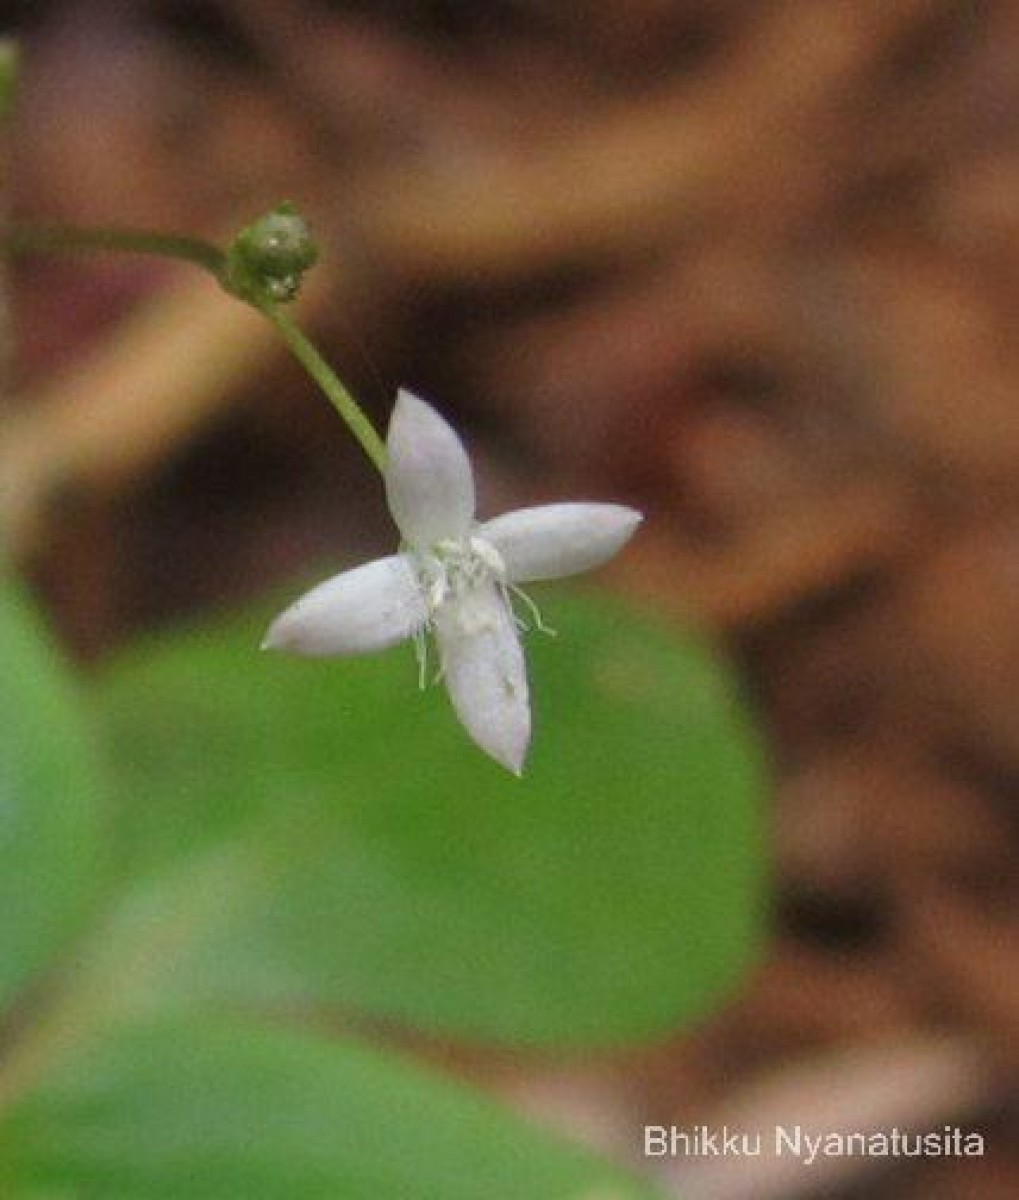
<point x="317" y="367"/>
<point x="8" y="76"/>
<point x="44" y="239"/>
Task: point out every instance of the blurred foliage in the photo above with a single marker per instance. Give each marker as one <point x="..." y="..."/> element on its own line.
<point x="50" y="797"/>
<point x="208" y="1110"/>
<point x="321" y="834"/>
<point x="612" y="892"/>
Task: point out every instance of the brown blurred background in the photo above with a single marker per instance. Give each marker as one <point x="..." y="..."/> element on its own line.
<point x="752" y="265"/>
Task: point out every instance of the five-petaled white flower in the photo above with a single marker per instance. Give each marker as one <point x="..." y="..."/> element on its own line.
<point x="453" y="577"/>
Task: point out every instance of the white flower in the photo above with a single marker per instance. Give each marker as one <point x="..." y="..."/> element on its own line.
<point x="453" y="578"/>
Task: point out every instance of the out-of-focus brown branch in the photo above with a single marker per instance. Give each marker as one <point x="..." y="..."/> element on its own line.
<point x="643" y="171"/>
<point x="775" y="566"/>
<point x="936" y="342"/>
<point x="170" y="369"/>
<point x="8" y="83"/>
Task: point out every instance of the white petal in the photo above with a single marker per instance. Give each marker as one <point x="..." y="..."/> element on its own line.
<point x="359" y="611"/>
<point x="429" y="482"/>
<point x="484" y="669"/>
<point x="553" y="540"/>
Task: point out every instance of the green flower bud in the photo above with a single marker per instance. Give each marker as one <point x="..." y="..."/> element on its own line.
<point x="268" y="259"/>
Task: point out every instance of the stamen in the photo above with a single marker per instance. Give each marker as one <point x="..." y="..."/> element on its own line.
<point x="420" y="640"/>
<point x="532" y="608"/>
<point x="488" y="559"/>
<point x="438" y="590"/>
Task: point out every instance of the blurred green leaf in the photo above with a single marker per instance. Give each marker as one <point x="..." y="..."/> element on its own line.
<point x="49" y="798"/>
<point x="217" y="1112"/>
<point x="611" y="894"/>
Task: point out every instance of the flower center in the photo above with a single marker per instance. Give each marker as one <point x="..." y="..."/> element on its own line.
<point x="454" y="574"/>
<point x="456" y="566"/>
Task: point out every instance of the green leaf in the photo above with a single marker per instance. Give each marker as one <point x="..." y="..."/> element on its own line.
<point x="49" y="800"/>
<point x="220" y="1112"/>
<point x="611" y="894"/>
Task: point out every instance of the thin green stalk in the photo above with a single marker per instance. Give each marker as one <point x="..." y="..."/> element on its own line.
<point x="8" y="76"/>
<point x="46" y="239"/>
<point x="317" y="367"/>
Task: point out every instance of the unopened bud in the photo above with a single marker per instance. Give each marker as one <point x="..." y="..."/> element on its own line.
<point x="268" y="259"/>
